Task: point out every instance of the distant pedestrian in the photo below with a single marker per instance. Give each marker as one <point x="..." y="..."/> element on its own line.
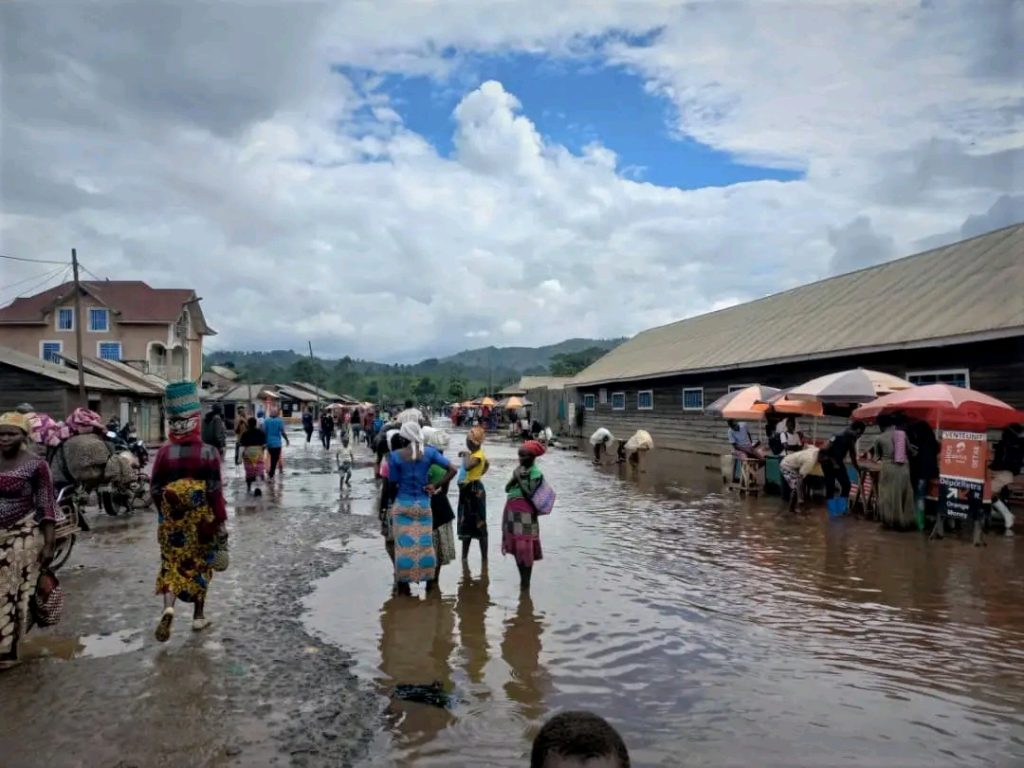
<point x="241" y="424"/>
<point x="254" y="447"/>
<point x="520" y="530"/>
<point x="833" y="459"/>
<point x="578" y="740"/>
<point x="187" y="491"/>
<point x="307" y="424"/>
<point x="601" y="439"/>
<point x="473" y="495"/>
<point x="411" y="413"/>
<point x="214" y="432"/>
<point x="277" y="438"/>
<point x="28" y="511"/>
<point x="326" y="429"/>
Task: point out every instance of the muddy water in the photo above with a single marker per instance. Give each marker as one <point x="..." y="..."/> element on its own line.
<point x="712" y="630"/>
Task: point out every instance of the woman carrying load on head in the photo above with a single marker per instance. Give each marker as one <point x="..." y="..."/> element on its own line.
<point x="473" y="496"/>
<point x="190" y="501"/>
<point x="520" y="530"/>
<point x="411" y="514"/>
<point x="28" y="511"/>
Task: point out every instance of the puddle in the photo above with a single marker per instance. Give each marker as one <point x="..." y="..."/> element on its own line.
<point x="701" y="624"/>
<point x="85" y="646"/>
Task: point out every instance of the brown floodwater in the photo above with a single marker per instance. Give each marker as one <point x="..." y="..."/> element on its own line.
<point x="712" y="630"/>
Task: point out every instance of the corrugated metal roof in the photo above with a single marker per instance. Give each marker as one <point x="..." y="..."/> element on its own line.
<point x="59" y="373"/>
<point x="224" y="371"/>
<point x="968" y="290"/>
<point x="119" y="373"/>
<point x="551" y="382"/>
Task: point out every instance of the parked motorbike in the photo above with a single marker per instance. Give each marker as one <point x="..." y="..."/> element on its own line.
<point x="118" y="498"/>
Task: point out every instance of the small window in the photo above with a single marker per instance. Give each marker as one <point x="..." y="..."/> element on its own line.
<point x="645" y="400"/>
<point x="66" y="319"/>
<point x="99" y="320"/>
<point x="109" y="350"/>
<point x="693" y="399"/>
<point x="618" y="401"/>
<point x="957" y="377"/>
<point x="602" y="396"/>
<point x="738" y="387"/>
<point x="50" y="351"/>
<point x="589" y="402"/>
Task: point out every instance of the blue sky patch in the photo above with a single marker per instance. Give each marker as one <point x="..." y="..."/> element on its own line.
<point x="574" y="102"/>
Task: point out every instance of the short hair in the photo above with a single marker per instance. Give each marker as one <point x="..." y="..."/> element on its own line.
<point x="859" y="426"/>
<point x="409" y="403"/>
<point x="578" y="734"/>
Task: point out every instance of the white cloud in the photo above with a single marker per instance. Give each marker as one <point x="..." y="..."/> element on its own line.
<point x="301" y="207"/>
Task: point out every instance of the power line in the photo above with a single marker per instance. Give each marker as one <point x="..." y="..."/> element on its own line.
<point x="89" y="272"/>
<point x="48" y="278"/>
<point x="32" y="261"/>
<point x="33" y="277"/>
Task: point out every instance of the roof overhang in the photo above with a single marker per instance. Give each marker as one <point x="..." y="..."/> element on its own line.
<point x="946" y="341"/>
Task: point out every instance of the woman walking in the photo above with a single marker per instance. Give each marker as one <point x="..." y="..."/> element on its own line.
<point x="253" y="443"/>
<point x="28" y="510"/>
<point x="411" y="515"/>
<point x="190" y="502"/>
<point x="895" y="491"/>
<point x="473" y="496"/>
<point x="440" y="507"/>
<point x="520" y="531"/>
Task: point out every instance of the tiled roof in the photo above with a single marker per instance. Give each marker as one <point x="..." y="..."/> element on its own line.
<point x="133" y="300"/>
<point x="962" y="292"/>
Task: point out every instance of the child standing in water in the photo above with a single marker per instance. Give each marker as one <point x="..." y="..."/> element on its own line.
<point x="473" y="496"/>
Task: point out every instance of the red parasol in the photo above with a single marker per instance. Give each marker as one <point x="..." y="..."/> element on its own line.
<point x="943" y="405"/>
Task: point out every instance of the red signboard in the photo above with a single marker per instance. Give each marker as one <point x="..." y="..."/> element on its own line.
<point x="962" y="461"/>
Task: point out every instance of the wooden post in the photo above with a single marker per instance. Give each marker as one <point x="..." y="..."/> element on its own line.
<point x="82" y="396"/>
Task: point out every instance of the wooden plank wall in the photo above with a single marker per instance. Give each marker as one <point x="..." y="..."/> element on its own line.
<point x="45" y="394"/>
<point x="996" y="368"/>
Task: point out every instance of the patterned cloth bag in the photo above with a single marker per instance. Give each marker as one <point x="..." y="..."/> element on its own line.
<point x="47" y="604"/>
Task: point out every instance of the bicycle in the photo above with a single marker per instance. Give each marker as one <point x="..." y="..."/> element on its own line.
<point x="70" y="501"/>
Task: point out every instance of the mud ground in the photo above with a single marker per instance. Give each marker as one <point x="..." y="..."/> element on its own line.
<point x="254" y="689"/>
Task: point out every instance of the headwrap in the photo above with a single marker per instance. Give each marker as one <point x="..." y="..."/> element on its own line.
<point x="82" y="421"/>
<point x="15" y="419"/>
<point x="435" y="437"/>
<point x="534" y="448"/>
<point x="412" y="432"/>
<point x="477" y="435"/>
<point x="183" y="410"/>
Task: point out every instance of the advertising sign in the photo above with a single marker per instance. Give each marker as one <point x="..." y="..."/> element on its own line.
<point x="962" y="462"/>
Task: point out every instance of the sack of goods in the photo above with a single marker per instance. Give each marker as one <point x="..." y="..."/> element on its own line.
<point x="81" y="459"/>
<point x="641" y="441"/>
<point x="602" y="436"/>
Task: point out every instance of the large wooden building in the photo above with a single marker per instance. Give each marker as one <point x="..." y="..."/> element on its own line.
<point x="954" y="314"/>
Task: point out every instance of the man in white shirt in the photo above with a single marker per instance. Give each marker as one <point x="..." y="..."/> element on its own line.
<point x="739" y="438"/>
<point x="791" y="439"/>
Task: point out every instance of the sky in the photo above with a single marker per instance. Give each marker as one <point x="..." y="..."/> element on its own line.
<point x="396" y="180"/>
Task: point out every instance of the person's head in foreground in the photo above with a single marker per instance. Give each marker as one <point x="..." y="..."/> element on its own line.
<point x="578" y="740"/>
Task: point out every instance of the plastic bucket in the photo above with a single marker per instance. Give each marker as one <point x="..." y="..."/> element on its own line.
<point x="838" y="506"/>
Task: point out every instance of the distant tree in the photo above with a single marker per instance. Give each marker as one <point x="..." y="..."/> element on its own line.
<point x="571" y="363"/>
<point x="373" y="390"/>
<point x="457" y="389"/>
<point x="308" y="370"/>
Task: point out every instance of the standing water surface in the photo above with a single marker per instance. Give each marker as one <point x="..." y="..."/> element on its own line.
<point x="711" y="630"/>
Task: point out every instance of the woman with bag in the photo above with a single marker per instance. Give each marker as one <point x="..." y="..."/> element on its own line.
<point x="188" y="494"/>
<point x="528" y="497"/>
<point x="28" y="510"/>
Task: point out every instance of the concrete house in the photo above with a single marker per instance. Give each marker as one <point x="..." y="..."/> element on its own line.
<point x="157" y="330"/>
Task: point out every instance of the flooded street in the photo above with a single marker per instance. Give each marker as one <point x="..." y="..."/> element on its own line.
<point x="711" y="630"/>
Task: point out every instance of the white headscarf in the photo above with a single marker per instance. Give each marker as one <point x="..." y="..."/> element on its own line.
<point x="412" y="432"/>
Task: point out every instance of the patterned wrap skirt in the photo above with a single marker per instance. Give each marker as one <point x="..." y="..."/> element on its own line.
<point x="520" y="533"/>
<point x="472" y="510"/>
<point x="186" y="546"/>
<point x="20" y="546"/>
<point x="412" y="526"/>
<point x="252" y="461"/>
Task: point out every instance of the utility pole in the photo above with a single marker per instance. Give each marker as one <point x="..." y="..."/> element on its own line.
<point x="78" y="331"/>
<point x="312" y="371"/>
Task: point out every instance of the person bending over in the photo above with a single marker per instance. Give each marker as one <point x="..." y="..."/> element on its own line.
<point x="578" y="740"/>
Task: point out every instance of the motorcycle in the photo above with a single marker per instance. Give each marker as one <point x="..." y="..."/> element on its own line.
<point x="117" y="498"/>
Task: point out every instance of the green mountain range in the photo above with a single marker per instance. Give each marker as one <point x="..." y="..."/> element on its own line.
<point x="466" y="374"/>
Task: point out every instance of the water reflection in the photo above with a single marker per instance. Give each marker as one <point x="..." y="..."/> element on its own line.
<point x="520" y="648"/>
<point x="472" y="602"/>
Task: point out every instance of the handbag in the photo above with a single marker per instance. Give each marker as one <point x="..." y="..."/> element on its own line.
<point x="221" y="556"/>
<point x="47" y="604"/>
<point x="542" y="500"/>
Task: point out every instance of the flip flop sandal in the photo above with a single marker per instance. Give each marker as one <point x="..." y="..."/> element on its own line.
<point x="198" y="625"/>
<point x="163" y="629"/>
